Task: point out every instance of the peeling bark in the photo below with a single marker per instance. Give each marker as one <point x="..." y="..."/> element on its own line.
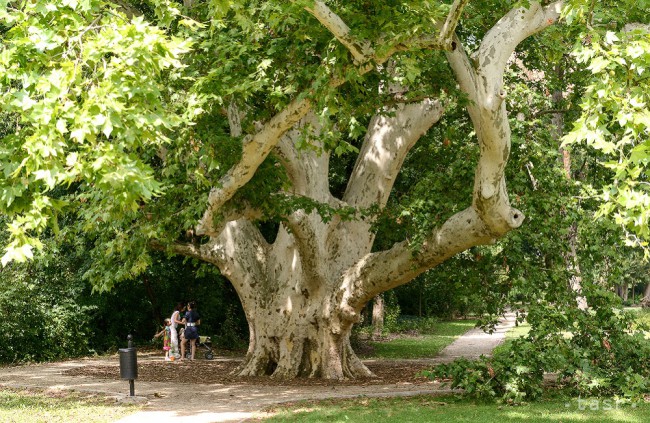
<point x="389" y="139"/>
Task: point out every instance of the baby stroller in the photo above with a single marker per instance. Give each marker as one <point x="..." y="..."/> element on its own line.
<point x="203" y="342"/>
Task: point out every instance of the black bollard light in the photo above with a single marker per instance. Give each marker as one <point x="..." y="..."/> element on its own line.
<point x="129" y="364"/>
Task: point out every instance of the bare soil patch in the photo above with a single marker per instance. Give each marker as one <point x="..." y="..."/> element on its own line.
<point x="218" y="371"/>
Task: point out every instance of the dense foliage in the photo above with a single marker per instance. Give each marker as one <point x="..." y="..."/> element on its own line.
<point x="83" y="94"/>
<point x="51" y="311"/>
<point x="601" y="352"/>
<point x="614" y="119"/>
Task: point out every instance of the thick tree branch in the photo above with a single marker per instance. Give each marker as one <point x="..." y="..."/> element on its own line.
<point x="308" y="168"/>
<point x="381" y="271"/>
<point x="490" y="60"/>
<point x="239" y="246"/>
<point x="182" y="248"/>
<point x="449" y="27"/>
<point x="503" y="38"/>
<point x="360" y="50"/>
<point x="305" y="229"/>
<point x="483" y="82"/>
<point x="218" y="250"/>
<point x="246" y="253"/>
<point x="255" y="150"/>
<point x="490" y="215"/>
<point x="389" y="138"/>
<point x="513" y="28"/>
<point x="463" y="70"/>
<point x="257" y="147"/>
<point x="230" y="213"/>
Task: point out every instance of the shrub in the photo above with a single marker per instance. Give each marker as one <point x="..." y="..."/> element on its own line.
<point x="414" y="324"/>
<point x="42" y="321"/>
<point x="596" y="352"/>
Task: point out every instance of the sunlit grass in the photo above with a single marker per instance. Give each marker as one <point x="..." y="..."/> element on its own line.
<point x="424" y="346"/>
<point x="22" y="406"/>
<point x="518" y="331"/>
<point x="452" y="409"/>
<point x="641" y="316"/>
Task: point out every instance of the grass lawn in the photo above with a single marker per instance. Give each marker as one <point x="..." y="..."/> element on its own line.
<point x="22" y="406"/>
<point x="422" y="346"/>
<point x="518" y="331"/>
<point x="451" y="409"/>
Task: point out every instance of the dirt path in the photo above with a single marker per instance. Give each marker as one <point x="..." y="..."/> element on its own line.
<point x="230" y="401"/>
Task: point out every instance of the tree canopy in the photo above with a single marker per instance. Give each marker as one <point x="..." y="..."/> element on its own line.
<point x="93" y="91"/>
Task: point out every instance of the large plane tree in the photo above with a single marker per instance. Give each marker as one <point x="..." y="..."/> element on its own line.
<point x="303" y="291"/>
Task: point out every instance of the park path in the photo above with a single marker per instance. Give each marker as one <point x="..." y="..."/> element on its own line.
<point x="475" y="342"/>
<point x="208" y="403"/>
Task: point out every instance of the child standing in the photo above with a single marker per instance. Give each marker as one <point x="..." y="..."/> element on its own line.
<point x="166" y="334"/>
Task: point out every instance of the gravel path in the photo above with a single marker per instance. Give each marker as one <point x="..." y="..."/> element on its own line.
<point x="216" y="402"/>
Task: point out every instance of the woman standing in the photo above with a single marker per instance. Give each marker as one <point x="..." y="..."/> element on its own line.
<point x="176" y="320"/>
<point x="191" y="320"/>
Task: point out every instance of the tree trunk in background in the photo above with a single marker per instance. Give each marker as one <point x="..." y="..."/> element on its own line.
<point x="573" y="267"/>
<point x="571" y="257"/>
<point x="622" y="291"/>
<point x="156" y="313"/>
<point x="377" y="317"/>
<point x="645" y="301"/>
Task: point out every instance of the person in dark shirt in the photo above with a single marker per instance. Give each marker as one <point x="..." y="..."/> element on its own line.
<point x="191" y="320"/>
